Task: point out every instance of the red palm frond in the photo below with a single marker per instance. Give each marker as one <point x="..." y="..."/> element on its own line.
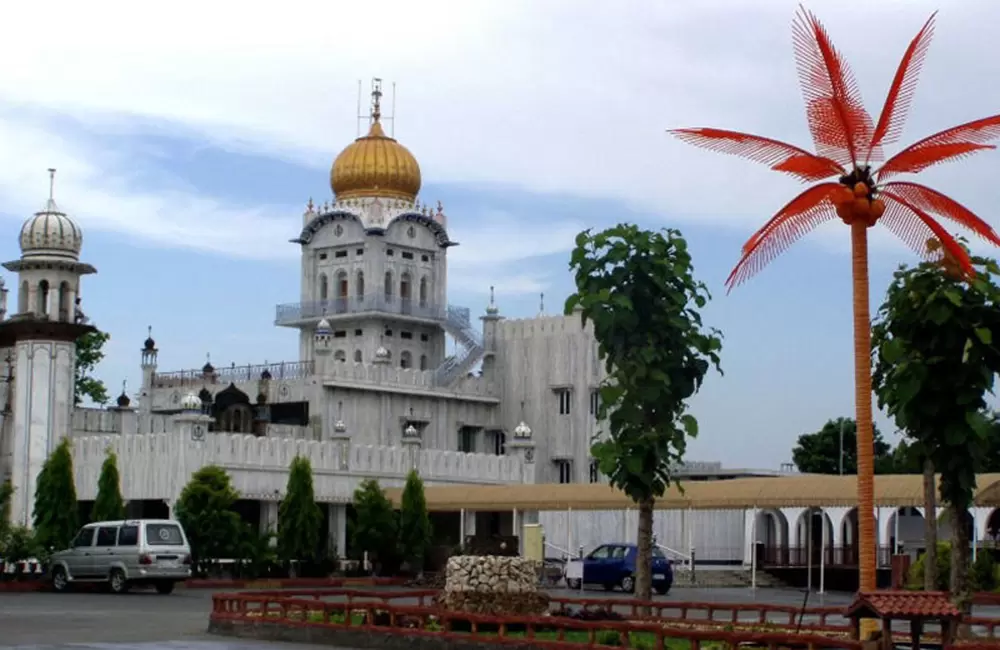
<point x="950" y="144"/>
<point x="802" y="214"/>
<point x="840" y="125"/>
<point x="934" y="202"/>
<point x="897" y="102"/>
<point x="780" y="156"/>
<point x="915" y="227"/>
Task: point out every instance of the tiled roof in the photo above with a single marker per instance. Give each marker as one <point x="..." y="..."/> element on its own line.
<point x="904" y="604"/>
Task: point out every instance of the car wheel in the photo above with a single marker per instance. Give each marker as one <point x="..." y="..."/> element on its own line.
<point x="60" y="581"/>
<point x="628" y="584"/>
<point x="165" y="587"/>
<point x="573" y="583"/>
<point x="117" y="582"/>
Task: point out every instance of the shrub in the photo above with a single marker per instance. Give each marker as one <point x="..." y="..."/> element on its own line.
<point x="375" y="525"/>
<point x="982" y="575"/>
<point x="915" y="580"/>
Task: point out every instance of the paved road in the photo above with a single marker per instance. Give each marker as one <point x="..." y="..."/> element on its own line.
<point x="149" y="621"/>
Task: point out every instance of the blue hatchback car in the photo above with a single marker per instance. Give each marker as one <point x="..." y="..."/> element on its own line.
<point x="613" y="565"/>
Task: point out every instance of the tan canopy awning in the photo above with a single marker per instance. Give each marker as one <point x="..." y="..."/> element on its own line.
<point x="805" y="490"/>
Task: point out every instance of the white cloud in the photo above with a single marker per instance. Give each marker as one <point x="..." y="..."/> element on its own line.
<point x="558" y="96"/>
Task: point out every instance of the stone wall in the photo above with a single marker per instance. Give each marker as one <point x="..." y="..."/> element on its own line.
<point x="492" y="584"/>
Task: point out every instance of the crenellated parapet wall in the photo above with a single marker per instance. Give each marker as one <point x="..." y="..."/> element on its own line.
<point x="158" y="466"/>
<point x="383" y="375"/>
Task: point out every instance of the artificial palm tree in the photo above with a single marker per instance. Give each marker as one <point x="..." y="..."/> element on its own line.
<point x="848" y="144"/>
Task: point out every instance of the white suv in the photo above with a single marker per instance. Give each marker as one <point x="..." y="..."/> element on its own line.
<point x="134" y="552"/>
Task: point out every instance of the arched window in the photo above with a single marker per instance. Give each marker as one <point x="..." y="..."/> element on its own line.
<point x="22" y="298"/>
<point x="64" y="306"/>
<point x="340" y="356"/>
<point x="357" y="356"/>
<point x="388" y="286"/>
<point x="404" y="286"/>
<point x="423" y="362"/>
<point x="405" y="359"/>
<point x="342" y="284"/>
<point x="43" y="298"/>
<point x="423" y="291"/>
<point x="323" y="287"/>
<point x="359" y="285"/>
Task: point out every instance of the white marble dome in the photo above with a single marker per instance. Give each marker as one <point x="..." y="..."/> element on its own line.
<point x="50" y="233"/>
<point x="190" y="402"/>
<point x="323" y="328"/>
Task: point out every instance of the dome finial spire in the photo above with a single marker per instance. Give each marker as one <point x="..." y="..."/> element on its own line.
<point x="52" y="184"/>
<point x="376" y="99"/>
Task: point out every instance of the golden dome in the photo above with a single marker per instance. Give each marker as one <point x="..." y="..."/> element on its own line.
<point x="375" y="165"/>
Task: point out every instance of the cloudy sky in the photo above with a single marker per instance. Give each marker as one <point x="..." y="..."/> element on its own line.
<point x="189" y="136"/>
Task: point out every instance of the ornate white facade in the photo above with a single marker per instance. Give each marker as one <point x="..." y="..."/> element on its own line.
<point x="390" y="377"/>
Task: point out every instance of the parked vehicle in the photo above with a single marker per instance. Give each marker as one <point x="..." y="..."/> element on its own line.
<point x="124" y="554"/>
<point x="613" y="565"/>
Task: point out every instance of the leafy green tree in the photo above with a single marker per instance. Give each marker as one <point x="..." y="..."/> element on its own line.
<point x="300" y="520"/>
<point x="935" y="362"/>
<point x="637" y="289"/>
<point x="89" y="353"/>
<point x="375" y="524"/>
<point x="819" y="452"/>
<point x="205" y="510"/>
<point x="109" y="505"/>
<point x="57" y="517"/>
<point x="415" y="530"/>
<point x="6" y="502"/>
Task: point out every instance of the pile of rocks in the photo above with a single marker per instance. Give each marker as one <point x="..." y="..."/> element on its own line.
<point x="494" y="585"/>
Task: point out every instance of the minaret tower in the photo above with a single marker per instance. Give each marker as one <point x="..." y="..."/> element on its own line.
<point x="43" y="334"/>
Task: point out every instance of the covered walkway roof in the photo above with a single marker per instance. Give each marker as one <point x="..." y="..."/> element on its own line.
<point x="802" y="490"/>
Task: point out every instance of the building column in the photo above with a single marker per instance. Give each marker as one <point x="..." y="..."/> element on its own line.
<point x="338" y="528"/>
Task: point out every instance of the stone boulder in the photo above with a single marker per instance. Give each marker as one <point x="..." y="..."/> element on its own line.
<point x="493" y="585"/>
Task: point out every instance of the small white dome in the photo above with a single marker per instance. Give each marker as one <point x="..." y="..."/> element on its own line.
<point x="339" y="426"/>
<point x="323" y="328"/>
<point x="522" y="431"/>
<point x="381" y="353"/>
<point x="50" y="233"/>
<point x="191" y="402"/>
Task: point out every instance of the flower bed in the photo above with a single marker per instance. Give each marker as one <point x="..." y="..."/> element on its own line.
<point x="379" y="622"/>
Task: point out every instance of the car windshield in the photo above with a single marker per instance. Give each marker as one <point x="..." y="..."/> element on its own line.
<point x="164" y="535"/>
<point x="657" y="552"/>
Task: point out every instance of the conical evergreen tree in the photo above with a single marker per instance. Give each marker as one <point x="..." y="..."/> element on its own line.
<point x="414" y="523"/>
<point x="109" y="505"/>
<point x="299" y="517"/>
<point x="57" y="514"/>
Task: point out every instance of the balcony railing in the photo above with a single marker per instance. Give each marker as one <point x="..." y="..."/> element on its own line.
<point x="295" y="312"/>
<point x="234" y="374"/>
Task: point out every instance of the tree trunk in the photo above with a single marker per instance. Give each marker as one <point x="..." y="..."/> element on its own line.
<point x="960" y="557"/>
<point x="961" y="594"/>
<point x="930" y="527"/>
<point x="863" y="407"/>
<point x="644" y="558"/>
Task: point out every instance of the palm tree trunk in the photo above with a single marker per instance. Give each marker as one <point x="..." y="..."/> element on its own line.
<point x="863" y="406"/>
<point x="644" y="554"/>
<point x="930" y="527"/>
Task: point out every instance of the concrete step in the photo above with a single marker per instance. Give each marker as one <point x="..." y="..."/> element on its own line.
<point x="714" y="577"/>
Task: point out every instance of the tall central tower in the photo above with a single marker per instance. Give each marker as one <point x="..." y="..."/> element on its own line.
<point x="43" y="335"/>
<point x="374" y="262"/>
